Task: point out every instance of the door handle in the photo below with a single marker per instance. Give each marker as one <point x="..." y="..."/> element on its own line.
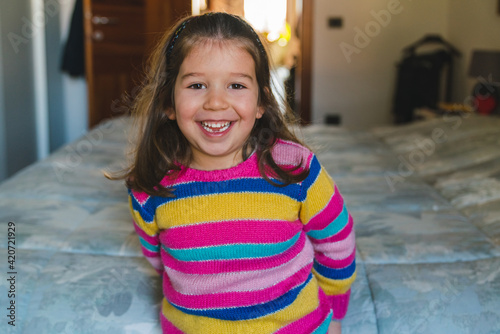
<point x="98" y="36"/>
<point x="103" y="20"/>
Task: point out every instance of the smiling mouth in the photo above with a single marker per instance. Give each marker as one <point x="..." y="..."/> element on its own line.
<point x="215" y="127"/>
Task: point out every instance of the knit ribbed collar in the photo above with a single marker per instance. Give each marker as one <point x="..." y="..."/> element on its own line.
<point x="241" y="169"/>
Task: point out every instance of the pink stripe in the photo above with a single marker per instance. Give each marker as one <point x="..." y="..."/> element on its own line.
<point x="331" y="211"/>
<point x="344" y="233"/>
<point x="155" y="262"/>
<point x="147" y="253"/>
<point x="225" y="266"/>
<point x="229" y="232"/>
<point x="337" y="250"/>
<point x="151" y="239"/>
<point x="336" y="264"/>
<point x="247" y="169"/>
<point x="290" y="153"/>
<point x="232" y="299"/>
<point x="312" y="321"/>
<point x="250" y="173"/>
<point x="292" y="168"/>
<point x="140" y="197"/>
<point x="167" y="326"/>
<point x="239" y="281"/>
<point x="339" y="304"/>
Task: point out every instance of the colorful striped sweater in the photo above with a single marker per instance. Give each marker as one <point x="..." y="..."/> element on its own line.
<point x="239" y="255"/>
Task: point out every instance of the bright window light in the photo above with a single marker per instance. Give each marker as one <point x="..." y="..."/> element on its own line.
<point x="198" y="6"/>
<point x="267" y="16"/>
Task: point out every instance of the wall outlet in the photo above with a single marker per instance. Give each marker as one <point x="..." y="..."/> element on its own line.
<point x="335" y="22"/>
<point x="333" y="119"/>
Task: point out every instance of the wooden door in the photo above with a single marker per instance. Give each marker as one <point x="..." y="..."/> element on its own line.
<point x="118" y="36"/>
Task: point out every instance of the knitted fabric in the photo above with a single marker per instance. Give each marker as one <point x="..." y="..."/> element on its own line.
<point x="239" y="255"/>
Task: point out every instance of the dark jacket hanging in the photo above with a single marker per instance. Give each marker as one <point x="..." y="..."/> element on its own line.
<point x="73" y="61"/>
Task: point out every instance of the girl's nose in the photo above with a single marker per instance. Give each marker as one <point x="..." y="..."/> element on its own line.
<point x="216" y="100"/>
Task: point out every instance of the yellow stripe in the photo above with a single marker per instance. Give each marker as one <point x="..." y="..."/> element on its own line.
<point x="318" y="196"/>
<point x="306" y="302"/>
<point x="221" y="207"/>
<point x="334" y="287"/>
<point x="150" y="229"/>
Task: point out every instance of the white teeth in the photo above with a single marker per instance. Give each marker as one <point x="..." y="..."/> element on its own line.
<point x="215" y="127"/>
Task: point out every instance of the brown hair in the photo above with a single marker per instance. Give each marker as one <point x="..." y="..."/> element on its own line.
<point x="161" y="144"/>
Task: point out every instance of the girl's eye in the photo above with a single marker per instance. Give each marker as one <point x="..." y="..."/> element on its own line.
<point x="196" y="86"/>
<point x="237" y="86"/>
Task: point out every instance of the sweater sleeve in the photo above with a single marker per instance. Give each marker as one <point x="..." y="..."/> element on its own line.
<point x="145" y="225"/>
<point x="330" y="228"/>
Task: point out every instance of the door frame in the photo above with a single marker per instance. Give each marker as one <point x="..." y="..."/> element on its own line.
<point x="304" y="73"/>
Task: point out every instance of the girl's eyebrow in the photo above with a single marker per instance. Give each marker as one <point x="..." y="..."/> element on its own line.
<point x="243" y="75"/>
<point x="192" y="74"/>
<point x="236" y="74"/>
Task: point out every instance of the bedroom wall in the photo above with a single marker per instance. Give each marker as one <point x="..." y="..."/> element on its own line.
<point x="3" y="162"/>
<point x="26" y="89"/>
<point x="354" y="67"/>
<point x="474" y="24"/>
<point x="67" y="96"/>
<point x="18" y="138"/>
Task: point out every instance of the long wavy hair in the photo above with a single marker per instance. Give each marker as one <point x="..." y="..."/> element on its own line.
<point x="161" y="146"/>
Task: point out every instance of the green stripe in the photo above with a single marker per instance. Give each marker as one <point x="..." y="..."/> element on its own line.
<point x="333" y="228"/>
<point x="148" y="246"/>
<point x="228" y="252"/>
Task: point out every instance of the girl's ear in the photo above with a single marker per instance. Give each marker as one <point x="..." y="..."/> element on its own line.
<point x="260" y="112"/>
<point x="170" y="114"/>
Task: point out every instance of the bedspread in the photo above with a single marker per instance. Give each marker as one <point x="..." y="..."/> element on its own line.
<point x="425" y="199"/>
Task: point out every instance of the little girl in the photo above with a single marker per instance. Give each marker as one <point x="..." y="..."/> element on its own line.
<point x="248" y="231"/>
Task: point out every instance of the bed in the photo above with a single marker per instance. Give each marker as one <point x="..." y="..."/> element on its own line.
<point x="425" y="198"/>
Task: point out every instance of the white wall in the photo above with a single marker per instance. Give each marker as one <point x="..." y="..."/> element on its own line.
<point x="27" y="86"/>
<point x="3" y="153"/>
<point x="18" y="106"/>
<point x="360" y="86"/>
<point x="474" y="24"/>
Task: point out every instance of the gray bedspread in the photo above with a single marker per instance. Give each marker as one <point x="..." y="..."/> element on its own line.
<point x="425" y="199"/>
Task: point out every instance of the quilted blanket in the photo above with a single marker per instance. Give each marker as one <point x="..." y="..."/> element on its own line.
<point x="425" y="198"/>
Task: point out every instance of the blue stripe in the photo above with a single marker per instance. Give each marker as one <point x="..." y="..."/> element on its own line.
<point x="249" y="312"/>
<point x="229" y="252"/>
<point x="143" y="209"/>
<point x="342" y="273"/>
<point x="323" y="328"/>
<point x="240" y="185"/>
<point x="148" y="246"/>
<point x="333" y="228"/>
<point x="314" y="171"/>
<point x="257" y="185"/>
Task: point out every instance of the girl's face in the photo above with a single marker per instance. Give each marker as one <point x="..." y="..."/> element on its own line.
<point x="216" y="103"/>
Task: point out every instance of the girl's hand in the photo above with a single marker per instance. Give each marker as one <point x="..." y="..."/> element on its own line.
<point x="335" y="328"/>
